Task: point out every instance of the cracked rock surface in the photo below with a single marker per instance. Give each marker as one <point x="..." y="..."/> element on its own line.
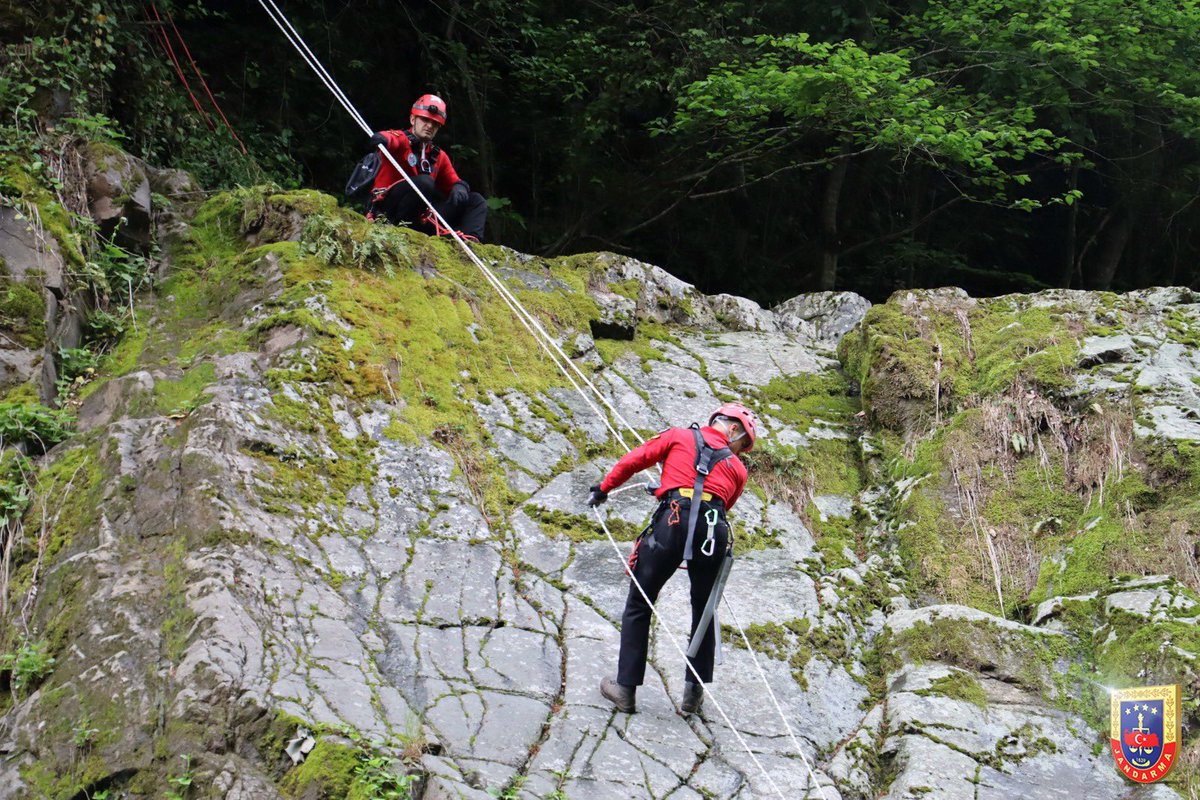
<point x="281" y="549"/>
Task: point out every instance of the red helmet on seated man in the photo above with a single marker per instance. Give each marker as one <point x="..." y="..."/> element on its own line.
<point x="430" y="106"/>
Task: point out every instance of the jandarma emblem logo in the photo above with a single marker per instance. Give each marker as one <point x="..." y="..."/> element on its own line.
<point x="1145" y="731"/>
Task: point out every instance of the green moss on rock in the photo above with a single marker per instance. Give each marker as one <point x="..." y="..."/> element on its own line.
<point x="326" y="774"/>
<point x="23" y="311"/>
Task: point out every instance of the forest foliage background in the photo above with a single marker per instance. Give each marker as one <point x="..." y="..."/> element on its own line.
<point x="763" y="148"/>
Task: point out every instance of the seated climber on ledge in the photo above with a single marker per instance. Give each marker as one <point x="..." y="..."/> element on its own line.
<point x="393" y="199"/>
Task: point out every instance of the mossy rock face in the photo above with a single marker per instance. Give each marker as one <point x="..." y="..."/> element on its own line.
<point x="960" y="636"/>
<point x="23" y="312"/>
<point x="327" y="481"/>
<point x="925" y="354"/>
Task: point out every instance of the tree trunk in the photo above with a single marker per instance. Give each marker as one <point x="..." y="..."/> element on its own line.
<point x="830" y="241"/>
<point x="1114" y="248"/>
<point x="1069" y="247"/>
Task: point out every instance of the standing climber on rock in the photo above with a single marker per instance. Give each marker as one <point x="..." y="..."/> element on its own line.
<point x="393" y="199"/>
<point x="702" y="477"/>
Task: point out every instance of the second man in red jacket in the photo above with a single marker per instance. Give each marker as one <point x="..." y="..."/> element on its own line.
<point x="429" y="167"/>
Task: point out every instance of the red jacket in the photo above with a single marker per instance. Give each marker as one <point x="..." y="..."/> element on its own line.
<point x="675" y="448"/>
<point x="417" y="158"/>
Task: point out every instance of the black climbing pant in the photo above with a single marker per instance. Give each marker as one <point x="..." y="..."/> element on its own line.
<point x="659" y="556"/>
<point x="402" y="204"/>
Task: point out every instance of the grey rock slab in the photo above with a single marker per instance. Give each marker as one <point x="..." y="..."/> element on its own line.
<point x="1053" y="778"/>
<point x="536" y="457"/>
<point x="1048" y="608"/>
<point x="446" y="582"/>
<point x="830" y="315"/>
<point x="930" y="771"/>
<point x="617" y="317"/>
<point x="741" y="314"/>
<point x="1147" y="580"/>
<point x="797" y="538"/>
<point x="537" y="281"/>
<point x="830" y="505"/>
<point x="345" y="692"/>
<point x="1155" y="791"/>
<point x="678" y="395"/>
<point x="488" y="725"/>
<point x="1145" y="602"/>
<point x="755" y="358"/>
<point x="621" y="394"/>
<point x="568" y="493"/>
<point x="514" y="660"/>
<point x="331" y="640"/>
<point x="617" y="761"/>
<point x="410" y="485"/>
<point x="767" y="586"/>
<point x="668" y="739"/>
<point x="903" y="620"/>
<point x="444" y="788"/>
<point x="574" y="732"/>
<point x="26" y="250"/>
<point x="1170" y="422"/>
<point x="853" y="764"/>
<point x="661" y="296"/>
<point x="548" y="555"/>
<point x="582" y="415"/>
<point x="1107" y="350"/>
<point x="776" y="776"/>
<point x="343" y="557"/>
<point x="823" y="714"/>
<point x="597" y="575"/>
<point x="716" y="778"/>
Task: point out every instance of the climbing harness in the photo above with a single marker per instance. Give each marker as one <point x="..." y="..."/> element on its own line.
<point x="706" y="459"/>
<point x="570" y="371"/>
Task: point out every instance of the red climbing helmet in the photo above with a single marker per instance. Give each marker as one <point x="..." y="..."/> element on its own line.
<point x="430" y="106"/>
<point x="743" y="415"/>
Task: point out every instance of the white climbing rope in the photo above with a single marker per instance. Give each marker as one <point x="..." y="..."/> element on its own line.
<point x="762" y="674"/>
<point x="560" y="359"/>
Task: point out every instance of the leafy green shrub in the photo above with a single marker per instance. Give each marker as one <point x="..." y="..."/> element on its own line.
<point x="14" y="486"/>
<point x="104" y="326"/>
<point x="375" y="779"/>
<point x="33" y="424"/>
<point x="76" y="361"/>
<point x="27" y="665"/>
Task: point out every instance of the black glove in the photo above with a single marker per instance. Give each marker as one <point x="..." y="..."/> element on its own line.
<point x="378" y="139"/>
<point x="459" y="192"/>
<point x="597" y="496"/>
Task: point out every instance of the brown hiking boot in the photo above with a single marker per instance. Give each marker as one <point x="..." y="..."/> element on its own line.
<point x="620" y="696"/>
<point x="693" y="698"/>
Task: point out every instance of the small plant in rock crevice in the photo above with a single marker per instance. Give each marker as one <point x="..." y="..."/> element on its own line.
<point x="181" y="783"/>
<point x="27" y="665"/>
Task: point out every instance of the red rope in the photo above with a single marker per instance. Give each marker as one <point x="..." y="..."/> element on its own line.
<point x="203" y="82"/>
<point x="166" y="45"/>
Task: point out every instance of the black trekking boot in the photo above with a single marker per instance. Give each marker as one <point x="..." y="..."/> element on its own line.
<point x="620" y="696"/>
<point x="693" y="698"/>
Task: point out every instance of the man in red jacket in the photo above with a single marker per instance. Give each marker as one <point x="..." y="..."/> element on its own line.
<point x="684" y="527"/>
<point x="428" y="165"/>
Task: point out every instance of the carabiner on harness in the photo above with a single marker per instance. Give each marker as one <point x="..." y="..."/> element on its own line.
<point x="712" y="517"/>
